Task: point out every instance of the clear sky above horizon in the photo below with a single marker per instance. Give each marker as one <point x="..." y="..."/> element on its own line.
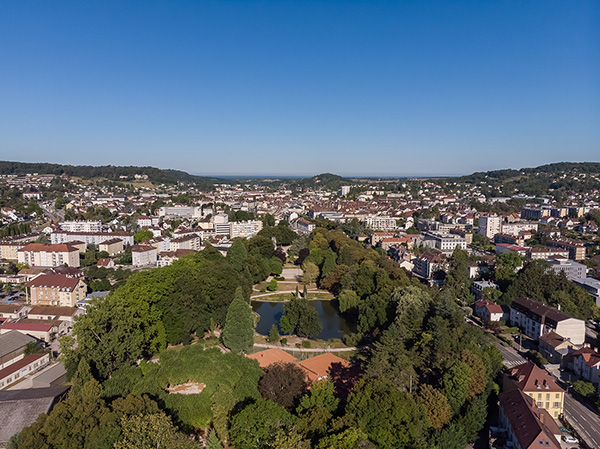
<point x="301" y="87"/>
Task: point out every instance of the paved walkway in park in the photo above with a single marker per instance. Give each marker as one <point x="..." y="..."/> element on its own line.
<point x="313" y="290"/>
<point x="287" y="348"/>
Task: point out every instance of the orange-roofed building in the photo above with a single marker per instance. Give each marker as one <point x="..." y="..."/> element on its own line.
<point x="318" y="367"/>
<point x="538" y="385"/>
<point x="270" y="356"/>
<point x="46" y="255"/>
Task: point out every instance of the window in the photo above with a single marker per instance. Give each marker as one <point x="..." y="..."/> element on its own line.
<point x="557" y="395"/>
<point x="540" y="404"/>
<point x="557" y="405"/>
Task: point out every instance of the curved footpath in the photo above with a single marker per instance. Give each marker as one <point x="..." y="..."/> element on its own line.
<point x="314" y="290"/>
<point x="286" y="348"/>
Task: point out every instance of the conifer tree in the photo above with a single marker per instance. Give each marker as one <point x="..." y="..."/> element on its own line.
<point x="238" y="334"/>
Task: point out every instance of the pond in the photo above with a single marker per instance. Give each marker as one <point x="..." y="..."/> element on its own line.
<point x="334" y="325"/>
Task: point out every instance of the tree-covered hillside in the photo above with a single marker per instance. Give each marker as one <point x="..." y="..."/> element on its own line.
<point x="155" y="175"/>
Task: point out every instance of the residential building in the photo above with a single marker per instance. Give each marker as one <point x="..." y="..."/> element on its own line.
<point x="576" y="249"/>
<point x="28" y="364"/>
<point x="572" y="270"/>
<point x="510" y="239"/>
<point x="427" y="264"/>
<point x="504" y="247"/>
<point x="43" y="330"/>
<point x="586" y="364"/>
<point x="245" y="228"/>
<point x="539" y="385"/>
<point x="105" y="263"/>
<point x="12" y="311"/>
<point x="112" y="246"/>
<point x="530" y="212"/>
<point x="143" y="255"/>
<point x="302" y="226"/>
<point x="66" y="314"/>
<point x="143" y="221"/>
<point x="221" y="224"/>
<point x="527" y="426"/>
<point x="81" y="226"/>
<point x="8" y="249"/>
<point x="489" y="225"/>
<point x="537" y="319"/>
<point x="556" y="349"/>
<point x="546" y="253"/>
<point x="90" y="238"/>
<point x="12" y="347"/>
<point x="180" y="211"/>
<point x="446" y="243"/>
<point x="46" y="255"/>
<point x="517" y="227"/>
<point x="166" y="258"/>
<point x="56" y="290"/>
<point x="190" y="241"/>
<point x="381" y="222"/>
<point x="478" y="286"/>
<point x="592" y="286"/>
<point x="489" y="311"/>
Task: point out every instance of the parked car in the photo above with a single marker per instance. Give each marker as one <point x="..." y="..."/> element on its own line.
<point x="570" y="439"/>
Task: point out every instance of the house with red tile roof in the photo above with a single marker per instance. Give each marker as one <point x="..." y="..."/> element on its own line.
<point x="536" y="383"/>
<point x="318" y="367"/>
<point x="586" y="364"/>
<point x="46" y="255"/>
<point x="271" y="356"/>
<point x="528" y="426"/>
<point x="56" y="290"/>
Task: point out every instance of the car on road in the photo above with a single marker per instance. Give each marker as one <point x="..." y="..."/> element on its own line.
<point x="570" y="439"/>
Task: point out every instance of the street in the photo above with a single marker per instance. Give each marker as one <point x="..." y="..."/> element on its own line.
<point x="584" y="421"/>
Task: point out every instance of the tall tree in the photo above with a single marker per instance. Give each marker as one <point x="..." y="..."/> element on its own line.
<point x="238" y="334"/>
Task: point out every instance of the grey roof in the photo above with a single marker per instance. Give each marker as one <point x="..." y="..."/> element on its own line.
<point x="12" y="341"/>
<point x="20" y="408"/>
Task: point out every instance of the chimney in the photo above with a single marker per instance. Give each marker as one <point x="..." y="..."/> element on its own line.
<point x="542" y="418"/>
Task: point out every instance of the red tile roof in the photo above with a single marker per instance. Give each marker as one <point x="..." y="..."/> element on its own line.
<point x="59" y="281"/>
<point x="38" y="247"/>
<point x="270" y="356"/>
<point x="318" y="367"/>
<point x="529" y="377"/>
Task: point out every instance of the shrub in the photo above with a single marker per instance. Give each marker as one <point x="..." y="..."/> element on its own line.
<point x="306" y="344"/>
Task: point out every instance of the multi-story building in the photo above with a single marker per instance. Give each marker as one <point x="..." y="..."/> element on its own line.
<point x="546" y="253"/>
<point x="572" y="270"/>
<point x="111" y="246"/>
<point x="302" y="226"/>
<point x="180" y="211"/>
<point x="536" y="383"/>
<point x="8" y="249"/>
<point x="144" y="221"/>
<point x="143" y="255"/>
<point x="245" y="228"/>
<point x="555" y="348"/>
<point x="90" y="238"/>
<point x="527" y="426"/>
<point x="189" y="241"/>
<point x="592" y="286"/>
<point x="221" y="224"/>
<point x="534" y="212"/>
<point x="489" y="225"/>
<point x="427" y="264"/>
<point x="586" y="364"/>
<point x="381" y="223"/>
<point x="504" y="247"/>
<point x="81" y="226"/>
<point x="478" y="287"/>
<point x="56" y="290"/>
<point x="537" y="319"/>
<point x="517" y="227"/>
<point x="576" y="249"/>
<point x="446" y="243"/>
<point x="45" y="255"/>
<point x="510" y="239"/>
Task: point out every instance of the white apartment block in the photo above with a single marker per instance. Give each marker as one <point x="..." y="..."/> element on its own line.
<point x="573" y="270"/>
<point x="381" y="223"/>
<point x="537" y="319"/>
<point x="44" y="255"/>
<point x="221" y="224"/>
<point x="518" y="226"/>
<point x="190" y="241"/>
<point x="143" y="255"/>
<point x="446" y="243"/>
<point x="144" y="221"/>
<point x="245" y="228"/>
<point x="489" y="225"/>
<point x="90" y="238"/>
<point x="81" y="226"/>
<point x="180" y="212"/>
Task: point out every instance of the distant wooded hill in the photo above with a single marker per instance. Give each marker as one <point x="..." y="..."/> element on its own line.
<point x="111" y="172"/>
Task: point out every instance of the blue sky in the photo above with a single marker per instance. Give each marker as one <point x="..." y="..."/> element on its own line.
<point x="279" y="87"/>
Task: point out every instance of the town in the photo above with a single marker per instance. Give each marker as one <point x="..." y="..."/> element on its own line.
<point x="510" y="259"/>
